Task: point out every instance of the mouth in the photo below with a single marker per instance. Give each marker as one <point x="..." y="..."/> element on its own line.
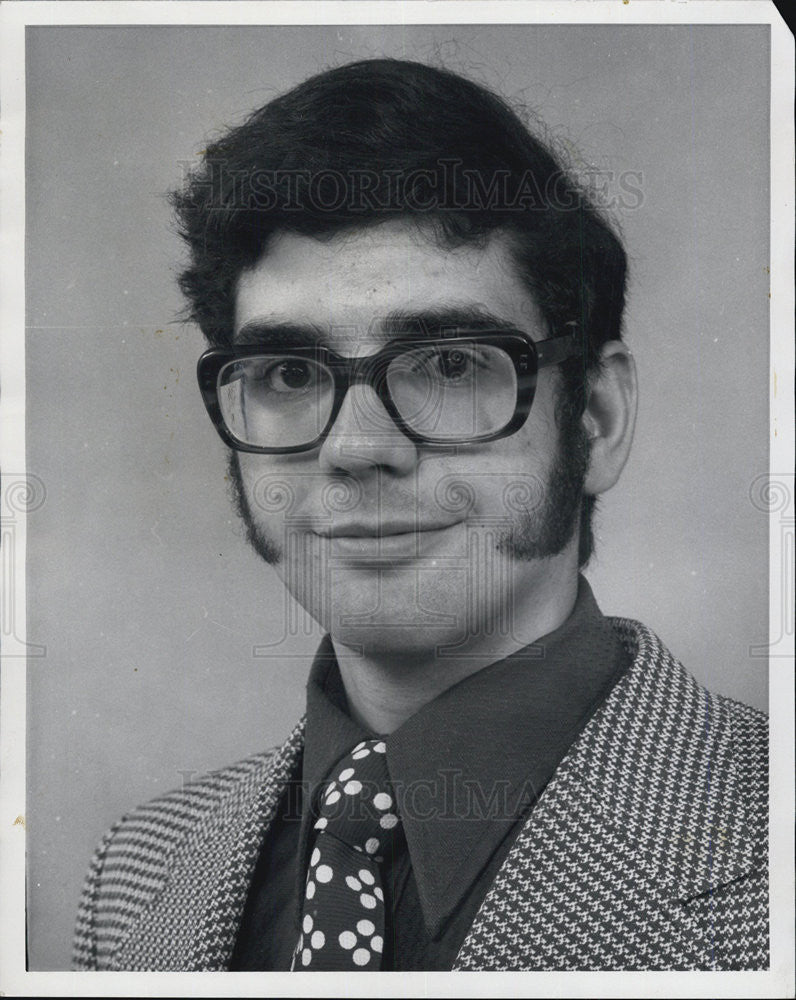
<point x="384" y="544"/>
<point x="384" y="529"/>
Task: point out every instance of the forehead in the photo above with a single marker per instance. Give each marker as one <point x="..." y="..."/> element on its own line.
<point x="349" y="284"/>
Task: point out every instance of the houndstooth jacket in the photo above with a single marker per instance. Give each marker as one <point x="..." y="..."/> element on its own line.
<point x="647" y="850"/>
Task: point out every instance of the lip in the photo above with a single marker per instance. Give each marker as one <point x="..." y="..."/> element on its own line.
<point x="384" y="529"/>
<point x="384" y="545"/>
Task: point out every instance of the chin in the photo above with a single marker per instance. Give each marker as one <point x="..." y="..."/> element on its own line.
<point x="386" y="641"/>
<point x="396" y="613"/>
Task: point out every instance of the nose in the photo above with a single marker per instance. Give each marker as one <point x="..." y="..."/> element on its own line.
<point x="364" y="436"/>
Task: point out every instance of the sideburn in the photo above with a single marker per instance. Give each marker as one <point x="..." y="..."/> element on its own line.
<point x="546" y="531"/>
<point x="262" y="545"/>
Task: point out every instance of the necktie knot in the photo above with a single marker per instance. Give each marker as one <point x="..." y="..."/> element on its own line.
<point x="356" y="803"/>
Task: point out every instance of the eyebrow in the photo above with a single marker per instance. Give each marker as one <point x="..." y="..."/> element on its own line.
<point x="422" y="324"/>
<point x="445" y="321"/>
<point x="257" y="332"/>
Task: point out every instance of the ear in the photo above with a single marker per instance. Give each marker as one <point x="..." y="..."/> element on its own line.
<point x="610" y="416"/>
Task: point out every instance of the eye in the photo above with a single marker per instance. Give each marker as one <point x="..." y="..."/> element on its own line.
<point x="454" y="365"/>
<point x="447" y="366"/>
<point x="285" y="375"/>
<point x="291" y="374"/>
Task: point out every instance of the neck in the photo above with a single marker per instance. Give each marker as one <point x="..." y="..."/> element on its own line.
<point x="385" y="687"/>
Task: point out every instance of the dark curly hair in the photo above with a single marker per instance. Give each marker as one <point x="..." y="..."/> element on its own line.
<point x="355" y="145"/>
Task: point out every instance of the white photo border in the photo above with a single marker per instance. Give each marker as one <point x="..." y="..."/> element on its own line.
<point x="14" y="17"/>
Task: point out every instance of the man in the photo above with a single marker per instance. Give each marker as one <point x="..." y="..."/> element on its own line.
<point x="416" y="361"/>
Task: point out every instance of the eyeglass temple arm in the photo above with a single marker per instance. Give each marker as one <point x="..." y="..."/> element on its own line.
<point x="557" y="349"/>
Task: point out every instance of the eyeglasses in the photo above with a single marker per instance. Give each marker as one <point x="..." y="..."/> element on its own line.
<point x="461" y="389"/>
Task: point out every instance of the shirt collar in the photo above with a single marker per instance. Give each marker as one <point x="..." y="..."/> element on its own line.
<point x="331" y="732"/>
<point x="470" y="764"/>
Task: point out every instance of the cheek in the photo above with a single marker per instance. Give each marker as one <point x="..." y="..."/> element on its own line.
<point x="271" y="493"/>
<point x="520" y="469"/>
<point x="497" y="483"/>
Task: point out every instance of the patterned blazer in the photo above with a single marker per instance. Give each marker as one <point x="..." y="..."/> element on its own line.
<point x="647" y="850"/>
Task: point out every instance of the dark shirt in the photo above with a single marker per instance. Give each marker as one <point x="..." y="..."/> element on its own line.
<point x="467" y="769"/>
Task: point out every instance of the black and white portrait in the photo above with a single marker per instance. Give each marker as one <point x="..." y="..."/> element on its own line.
<point x="398" y="484"/>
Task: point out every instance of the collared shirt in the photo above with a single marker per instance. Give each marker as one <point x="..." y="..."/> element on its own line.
<point x="467" y="769"/>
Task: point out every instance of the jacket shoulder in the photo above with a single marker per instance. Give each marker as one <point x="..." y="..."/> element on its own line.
<point x="750" y="733"/>
<point x="132" y="858"/>
<point x="648" y="848"/>
<point x="715" y="773"/>
<point x="734" y="916"/>
<point x="729" y="738"/>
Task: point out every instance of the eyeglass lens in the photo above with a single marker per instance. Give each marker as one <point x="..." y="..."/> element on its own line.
<point x="449" y="394"/>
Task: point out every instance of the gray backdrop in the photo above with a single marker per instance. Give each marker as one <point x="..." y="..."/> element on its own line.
<point x="141" y="591"/>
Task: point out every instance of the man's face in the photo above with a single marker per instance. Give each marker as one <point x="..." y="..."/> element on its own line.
<point x="391" y="545"/>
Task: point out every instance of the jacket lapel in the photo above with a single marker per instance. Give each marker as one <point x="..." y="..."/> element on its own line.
<point x="645" y="811"/>
<point x="192" y="919"/>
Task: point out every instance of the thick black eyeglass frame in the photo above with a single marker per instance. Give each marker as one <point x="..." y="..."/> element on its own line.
<point x="527" y="355"/>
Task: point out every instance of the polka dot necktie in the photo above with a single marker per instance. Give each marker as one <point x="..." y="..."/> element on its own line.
<point x="342" y="921"/>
